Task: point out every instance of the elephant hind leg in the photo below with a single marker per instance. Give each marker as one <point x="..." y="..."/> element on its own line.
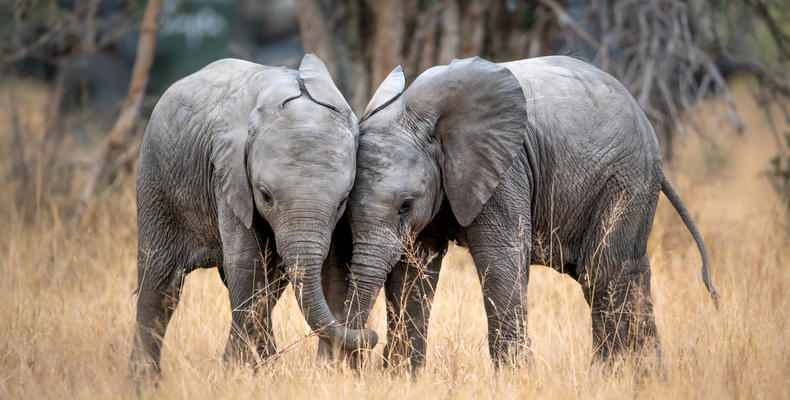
<point x="622" y="311"/>
<point x="157" y="299"/>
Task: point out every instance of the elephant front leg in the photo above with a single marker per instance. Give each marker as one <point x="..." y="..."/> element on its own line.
<point x="254" y="292"/>
<point x="501" y="257"/>
<point x="622" y="311"/>
<point x="409" y="292"/>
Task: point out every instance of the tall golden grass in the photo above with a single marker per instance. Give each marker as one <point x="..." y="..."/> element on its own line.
<point x="67" y="308"/>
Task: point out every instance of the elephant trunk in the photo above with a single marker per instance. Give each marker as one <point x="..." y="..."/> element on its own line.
<point x="373" y="256"/>
<point x="303" y="251"/>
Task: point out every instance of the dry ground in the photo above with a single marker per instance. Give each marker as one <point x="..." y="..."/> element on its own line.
<point x="66" y="306"/>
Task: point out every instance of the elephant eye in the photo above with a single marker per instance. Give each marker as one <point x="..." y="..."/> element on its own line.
<point x="266" y="195"/>
<point x="406" y="206"/>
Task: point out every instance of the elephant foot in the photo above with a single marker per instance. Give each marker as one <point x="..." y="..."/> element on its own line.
<point x="331" y="353"/>
<point x="144" y="373"/>
<point x="243" y="352"/>
<point x="405" y="357"/>
<point x="642" y="358"/>
<point x="511" y="353"/>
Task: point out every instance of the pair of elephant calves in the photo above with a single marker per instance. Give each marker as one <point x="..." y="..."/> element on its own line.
<point x="266" y="174"/>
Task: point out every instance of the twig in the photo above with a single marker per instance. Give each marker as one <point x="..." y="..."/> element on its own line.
<point x="565" y="20"/>
<point x="20" y="169"/>
<point x="782" y="39"/>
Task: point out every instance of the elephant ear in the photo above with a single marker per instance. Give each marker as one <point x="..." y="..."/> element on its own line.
<point x="231" y="131"/>
<point x="481" y="125"/>
<point x="388" y="91"/>
<point x="321" y="88"/>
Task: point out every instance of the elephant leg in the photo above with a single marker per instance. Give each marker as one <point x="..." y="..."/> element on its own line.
<point x="158" y="294"/>
<point x="622" y="310"/>
<point x="255" y="283"/>
<point x="253" y="290"/>
<point x="409" y="291"/>
<point x="500" y="247"/>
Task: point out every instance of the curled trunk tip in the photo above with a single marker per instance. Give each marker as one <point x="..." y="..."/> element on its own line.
<point x="306" y="281"/>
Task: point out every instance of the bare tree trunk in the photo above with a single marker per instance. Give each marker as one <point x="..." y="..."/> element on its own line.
<point x="388" y="41"/>
<point x="451" y="34"/>
<point x="53" y="127"/>
<point x="317" y="34"/>
<point x="428" y="56"/>
<point x="355" y="79"/>
<point x="54" y="133"/>
<point x="123" y="128"/>
<point x="474" y="28"/>
<point x="421" y="53"/>
<point x="544" y="35"/>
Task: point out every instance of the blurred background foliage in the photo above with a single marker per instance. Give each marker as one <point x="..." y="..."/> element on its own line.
<point x="80" y="55"/>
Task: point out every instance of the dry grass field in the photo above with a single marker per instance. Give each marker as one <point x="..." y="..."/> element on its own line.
<point x="66" y="305"/>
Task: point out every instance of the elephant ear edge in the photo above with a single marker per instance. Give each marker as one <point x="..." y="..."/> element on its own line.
<point x="321" y="88"/>
<point x="481" y="127"/>
<point x="388" y="91"/>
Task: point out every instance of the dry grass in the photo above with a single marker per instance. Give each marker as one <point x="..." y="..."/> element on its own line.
<point x="66" y="307"/>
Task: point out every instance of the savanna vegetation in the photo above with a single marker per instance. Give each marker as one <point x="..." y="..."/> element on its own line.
<point x="709" y="74"/>
<point x="67" y="309"/>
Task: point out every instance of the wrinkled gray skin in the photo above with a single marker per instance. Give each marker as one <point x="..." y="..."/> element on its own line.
<point x="246" y="168"/>
<point x="522" y="163"/>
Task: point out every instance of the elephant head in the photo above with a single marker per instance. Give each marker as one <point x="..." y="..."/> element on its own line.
<point x="295" y="167"/>
<point x="449" y="137"/>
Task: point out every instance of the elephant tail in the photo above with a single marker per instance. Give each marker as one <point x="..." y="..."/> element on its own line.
<point x="674" y="198"/>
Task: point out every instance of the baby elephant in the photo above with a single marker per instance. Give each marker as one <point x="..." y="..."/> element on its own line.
<point x="541" y="161"/>
<point x="246" y="168"/>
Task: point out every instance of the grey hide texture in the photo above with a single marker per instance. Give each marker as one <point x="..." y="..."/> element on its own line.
<point x="246" y="168"/>
<point x="541" y="161"/>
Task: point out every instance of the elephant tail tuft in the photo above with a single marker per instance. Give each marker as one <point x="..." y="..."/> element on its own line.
<point x="674" y="198"/>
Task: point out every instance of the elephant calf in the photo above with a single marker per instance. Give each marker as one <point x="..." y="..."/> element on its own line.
<point x="241" y="160"/>
<point x="541" y="161"/>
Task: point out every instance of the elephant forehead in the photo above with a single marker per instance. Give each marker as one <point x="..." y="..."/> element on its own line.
<point x="309" y="140"/>
<point x="391" y="166"/>
<point x="384" y="153"/>
<point x="312" y="154"/>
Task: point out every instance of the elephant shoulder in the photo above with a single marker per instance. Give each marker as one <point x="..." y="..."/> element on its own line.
<point x="216" y="99"/>
<point x="200" y="123"/>
<point x="574" y="99"/>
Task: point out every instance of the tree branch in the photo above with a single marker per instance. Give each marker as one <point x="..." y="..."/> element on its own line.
<point x="123" y="128"/>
